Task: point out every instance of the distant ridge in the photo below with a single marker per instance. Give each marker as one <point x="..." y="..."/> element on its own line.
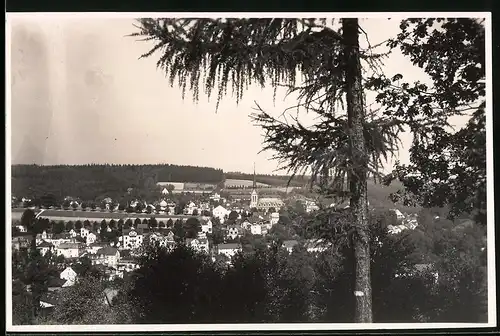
<point x="113" y="180"/>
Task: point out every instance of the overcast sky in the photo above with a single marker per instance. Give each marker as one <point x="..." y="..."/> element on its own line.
<point x="80" y="95"/>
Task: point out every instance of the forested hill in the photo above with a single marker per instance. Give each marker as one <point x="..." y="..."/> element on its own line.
<point x="87" y="181"/>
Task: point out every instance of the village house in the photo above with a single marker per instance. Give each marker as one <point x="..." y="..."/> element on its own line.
<point x="206" y="226"/>
<point x="256" y="229"/>
<point x="215" y="197"/>
<point x="220" y="212"/>
<point x="94" y="247"/>
<point x="75" y="205"/>
<point x="190" y="208"/>
<point x="127" y="265"/>
<point x="69" y="275"/>
<point x="108" y="256"/>
<point x="84" y="232"/>
<point x="68" y="250"/>
<point x="266" y="225"/>
<point x="246" y="224"/>
<point x="198" y="244"/>
<point x="169" y="235"/>
<point x="233" y="232"/>
<point x="132" y="239"/>
<point x="167" y="240"/>
<point x="72" y="233"/>
<point x="90" y="239"/>
<point x="204" y="206"/>
<point x="289" y="245"/>
<point x="43" y="236"/>
<point x="163" y="205"/>
<point x="45" y="247"/>
<point x="58" y="239"/>
<point x="163" y="240"/>
<point x="229" y="250"/>
<point x="274" y="218"/>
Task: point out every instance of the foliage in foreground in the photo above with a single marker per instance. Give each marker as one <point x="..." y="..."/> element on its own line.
<point x="271" y="285"/>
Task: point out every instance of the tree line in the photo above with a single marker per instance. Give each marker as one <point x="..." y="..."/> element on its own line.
<point x="110" y="230"/>
<point x="91" y="181"/>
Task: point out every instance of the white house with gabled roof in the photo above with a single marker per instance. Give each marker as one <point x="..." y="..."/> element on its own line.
<point x="68" y="274"/>
<point x="220" y="212"/>
<point x="206" y="226"/>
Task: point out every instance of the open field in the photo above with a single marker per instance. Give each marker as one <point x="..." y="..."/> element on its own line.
<point x="273" y="180"/>
<point x="239" y="182"/>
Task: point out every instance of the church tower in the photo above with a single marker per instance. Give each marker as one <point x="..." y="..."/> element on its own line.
<point x="254" y="199"/>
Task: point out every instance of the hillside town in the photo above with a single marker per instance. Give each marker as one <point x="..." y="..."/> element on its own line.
<point x="111" y="238"/>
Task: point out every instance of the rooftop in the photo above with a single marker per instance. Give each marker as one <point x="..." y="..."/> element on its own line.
<point x="109" y="251"/>
<point x="45" y="244"/>
<point x="229" y="246"/>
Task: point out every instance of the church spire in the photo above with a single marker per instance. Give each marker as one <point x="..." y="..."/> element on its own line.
<point x="254" y="181"/>
<point x="254" y="200"/>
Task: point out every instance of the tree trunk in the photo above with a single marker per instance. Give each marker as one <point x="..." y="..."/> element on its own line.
<point x="357" y="185"/>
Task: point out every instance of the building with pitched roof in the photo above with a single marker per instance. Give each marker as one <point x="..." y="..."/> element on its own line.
<point x="229" y="250"/>
<point x="69" y="250"/>
<point x="108" y="256"/>
<point x="45" y="247"/>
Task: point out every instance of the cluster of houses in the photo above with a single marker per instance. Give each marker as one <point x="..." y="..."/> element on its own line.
<point x="406" y="222"/>
<point x="58" y="284"/>
<point x="256" y="218"/>
<point x="310" y="245"/>
<point x="75" y="244"/>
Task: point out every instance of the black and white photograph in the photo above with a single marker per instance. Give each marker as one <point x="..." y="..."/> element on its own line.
<point x="249" y="171"/>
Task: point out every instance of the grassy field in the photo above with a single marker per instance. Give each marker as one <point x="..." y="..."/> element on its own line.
<point x="239" y="182"/>
<point x="273" y="180"/>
